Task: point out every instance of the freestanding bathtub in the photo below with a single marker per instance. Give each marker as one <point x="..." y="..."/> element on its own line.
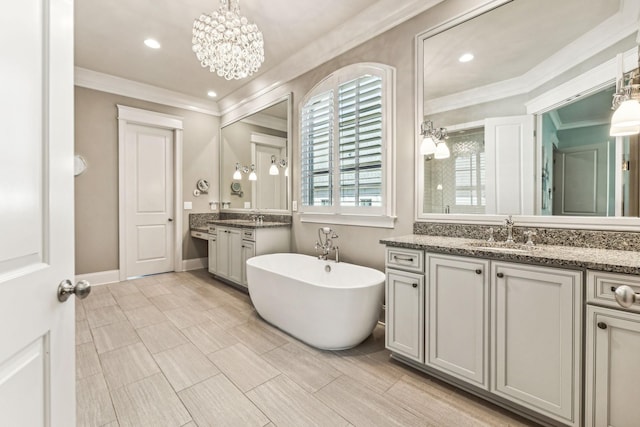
<point x="328" y="305"/>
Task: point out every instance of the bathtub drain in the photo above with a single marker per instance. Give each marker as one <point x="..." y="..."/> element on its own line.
<point x="327" y="268"/>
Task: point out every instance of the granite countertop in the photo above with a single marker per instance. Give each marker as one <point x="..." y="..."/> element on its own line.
<point x="554" y="256"/>
<point x="200" y="229"/>
<point x="244" y="223"/>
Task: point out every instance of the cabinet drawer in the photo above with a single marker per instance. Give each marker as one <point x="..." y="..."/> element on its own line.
<point x="405" y="259"/>
<point x="601" y="285"/>
<point x="249" y="235"/>
<point x="212" y="230"/>
<point x="200" y="235"/>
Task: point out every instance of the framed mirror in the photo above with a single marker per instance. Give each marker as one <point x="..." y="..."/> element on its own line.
<point x="255" y="160"/>
<point x="523" y="90"/>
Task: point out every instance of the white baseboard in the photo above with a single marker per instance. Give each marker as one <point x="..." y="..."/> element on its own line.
<point x="101" y="277"/>
<point x="195" y="264"/>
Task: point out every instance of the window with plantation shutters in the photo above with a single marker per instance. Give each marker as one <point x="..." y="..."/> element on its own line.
<point x="346" y="145"/>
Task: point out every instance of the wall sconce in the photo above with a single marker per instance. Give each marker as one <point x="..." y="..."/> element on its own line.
<point x="237" y="175"/>
<point x="626" y="117"/>
<point x="273" y="170"/>
<point x="433" y="141"/>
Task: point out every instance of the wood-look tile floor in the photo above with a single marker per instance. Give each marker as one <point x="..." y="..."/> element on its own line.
<point x="182" y="349"/>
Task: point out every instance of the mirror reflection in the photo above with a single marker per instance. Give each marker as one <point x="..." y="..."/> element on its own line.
<point x="254" y="161"/>
<point x="523" y="93"/>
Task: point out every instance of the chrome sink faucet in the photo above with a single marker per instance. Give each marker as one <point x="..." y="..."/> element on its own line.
<point x="509" y="224"/>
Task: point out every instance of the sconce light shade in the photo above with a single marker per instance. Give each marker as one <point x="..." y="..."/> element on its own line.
<point x="627" y="115"/>
<point x="624" y="131"/>
<point x="252" y="175"/>
<point x="237" y="175"/>
<point x="428" y="146"/>
<point x="442" y="151"/>
<point x="273" y="170"/>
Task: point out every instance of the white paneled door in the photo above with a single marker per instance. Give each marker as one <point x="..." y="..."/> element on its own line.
<point x="149" y="202"/>
<point x="37" y="357"/>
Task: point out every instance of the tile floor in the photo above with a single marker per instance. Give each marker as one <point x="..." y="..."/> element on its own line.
<point x="182" y="349"/>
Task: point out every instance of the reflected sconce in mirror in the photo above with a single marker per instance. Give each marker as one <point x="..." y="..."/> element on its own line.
<point x="626" y="117"/>
<point x="237" y="175"/>
<point x="433" y="141"/>
<point x="282" y="163"/>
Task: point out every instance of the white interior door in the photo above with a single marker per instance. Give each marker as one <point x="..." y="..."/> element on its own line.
<point x="149" y="200"/>
<point x="580" y="180"/>
<point x="510" y="154"/>
<point x="37" y="362"/>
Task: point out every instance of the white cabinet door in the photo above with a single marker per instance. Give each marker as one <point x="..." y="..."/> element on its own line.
<point x="213" y="254"/>
<point x="611" y="368"/>
<point x="222" y="252"/>
<point x="248" y="251"/>
<point x="234" y="247"/>
<point x="405" y="314"/>
<point x="536" y="329"/>
<point x="458" y="317"/>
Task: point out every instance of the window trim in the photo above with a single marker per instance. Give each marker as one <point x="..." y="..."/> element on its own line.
<point x="385" y="215"/>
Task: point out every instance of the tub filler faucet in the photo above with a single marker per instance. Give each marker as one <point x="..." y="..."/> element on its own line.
<point x="325" y="243"/>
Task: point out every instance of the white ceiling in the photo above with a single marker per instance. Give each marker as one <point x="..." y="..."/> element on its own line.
<point x="109" y="36"/>
<point x="507" y="42"/>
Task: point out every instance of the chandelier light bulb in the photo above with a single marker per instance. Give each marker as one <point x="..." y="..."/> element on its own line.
<point x="227" y="43"/>
<point x="627" y="115"/>
<point x="428" y="146"/>
<point x="442" y="151"/>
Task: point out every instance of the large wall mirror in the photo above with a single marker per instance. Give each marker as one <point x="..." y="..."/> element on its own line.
<point x="524" y="90"/>
<point x="255" y="160"/>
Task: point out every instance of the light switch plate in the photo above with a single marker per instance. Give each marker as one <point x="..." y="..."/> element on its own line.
<point x="294" y="206"/>
<point x="188" y="206"/>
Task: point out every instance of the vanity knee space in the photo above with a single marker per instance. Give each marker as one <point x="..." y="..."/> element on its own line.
<point x="510" y="331"/>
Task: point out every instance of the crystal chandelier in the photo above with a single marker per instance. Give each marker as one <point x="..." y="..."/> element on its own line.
<point x="227" y="42"/>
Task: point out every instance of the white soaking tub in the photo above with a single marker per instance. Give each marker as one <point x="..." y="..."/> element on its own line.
<point x="328" y="305"/>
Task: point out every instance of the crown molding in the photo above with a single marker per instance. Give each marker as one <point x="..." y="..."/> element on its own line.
<point x="117" y="85"/>
<point x="267" y="121"/>
<point x="371" y="22"/>
<point x="614" y="29"/>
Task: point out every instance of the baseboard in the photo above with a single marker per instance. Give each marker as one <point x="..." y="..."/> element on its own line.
<point x="100" y="278"/>
<point x="195" y="264"/>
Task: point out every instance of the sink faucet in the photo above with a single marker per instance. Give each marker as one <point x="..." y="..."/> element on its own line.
<point x="509" y="224"/>
<point x="326" y="244"/>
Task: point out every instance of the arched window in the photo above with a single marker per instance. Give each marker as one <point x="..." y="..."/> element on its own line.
<point x="347" y="132"/>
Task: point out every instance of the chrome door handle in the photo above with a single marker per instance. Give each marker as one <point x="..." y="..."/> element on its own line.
<point x="82" y="290"/>
<point x="625" y="296"/>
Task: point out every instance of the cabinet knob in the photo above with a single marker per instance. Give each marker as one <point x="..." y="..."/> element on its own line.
<point x="625" y="296"/>
<point x="602" y="325"/>
<point x="500" y="275"/>
<point x="478" y="271"/>
<point x="415" y="285"/>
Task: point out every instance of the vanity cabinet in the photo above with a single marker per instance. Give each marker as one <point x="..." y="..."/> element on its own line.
<point x="457" y="317"/>
<point x="536" y="338"/>
<point x="230" y="248"/>
<point x="511" y="331"/>
<point x="612" y="377"/>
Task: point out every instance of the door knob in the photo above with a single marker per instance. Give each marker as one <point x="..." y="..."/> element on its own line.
<point x="625" y="296"/>
<point x="170" y="219"/>
<point x="82" y="289"/>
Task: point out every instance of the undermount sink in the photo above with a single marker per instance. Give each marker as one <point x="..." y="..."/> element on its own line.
<point x="503" y="246"/>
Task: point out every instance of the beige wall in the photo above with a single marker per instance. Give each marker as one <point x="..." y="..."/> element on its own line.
<point x="96" y="191"/>
<point x="360" y="245"/>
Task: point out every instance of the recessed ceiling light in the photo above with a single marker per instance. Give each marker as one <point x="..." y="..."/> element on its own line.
<point x="153" y="44"/>
<point x="466" y="57"/>
<point x="212" y="94"/>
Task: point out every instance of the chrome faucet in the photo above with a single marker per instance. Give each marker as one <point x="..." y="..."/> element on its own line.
<point x="509" y="224"/>
<point x="326" y="244"/>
